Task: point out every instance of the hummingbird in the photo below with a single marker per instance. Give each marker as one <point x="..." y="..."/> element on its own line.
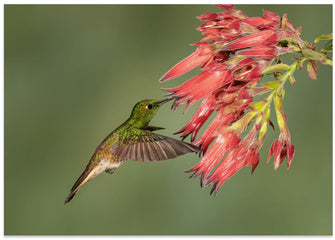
<point x="133" y="140"/>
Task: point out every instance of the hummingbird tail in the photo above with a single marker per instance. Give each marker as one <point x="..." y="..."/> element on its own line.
<point x="71" y="195"/>
<point x="86" y="176"/>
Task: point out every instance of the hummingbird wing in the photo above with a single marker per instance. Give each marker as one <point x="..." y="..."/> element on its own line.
<point x="149" y="146"/>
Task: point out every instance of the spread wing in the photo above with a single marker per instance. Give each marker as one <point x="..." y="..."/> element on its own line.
<point x="151" y="147"/>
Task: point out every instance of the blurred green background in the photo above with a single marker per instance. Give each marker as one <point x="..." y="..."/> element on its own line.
<point x="73" y="74"/>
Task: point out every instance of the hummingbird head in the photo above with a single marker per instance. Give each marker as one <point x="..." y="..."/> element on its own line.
<point x="144" y="111"/>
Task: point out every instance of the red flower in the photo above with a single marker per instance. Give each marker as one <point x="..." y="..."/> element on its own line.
<point x="200" y="56"/>
<point x="280" y="149"/>
<point x="233" y="55"/>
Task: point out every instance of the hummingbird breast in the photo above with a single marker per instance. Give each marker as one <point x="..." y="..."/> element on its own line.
<point x="107" y="164"/>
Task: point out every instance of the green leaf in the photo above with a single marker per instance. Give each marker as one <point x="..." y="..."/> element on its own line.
<point x="276" y="67"/>
<point x="257" y="106"/>
<point x="259" y="119"/>
<point x="282" y="93"/>
<point x="328" y="61"/>
<point x="278" y="108"/>
<point x="263" y="129"/>
<point x="243" y="123"/>
<point x="267" y="112"/>
<point x="328" y="47"/>
<point x="291" y="79"/>
<point x="273" y="84"/>
<point x="312" y="69"/>
<point x="323" y="37"/>
<point x="314" y="55"/>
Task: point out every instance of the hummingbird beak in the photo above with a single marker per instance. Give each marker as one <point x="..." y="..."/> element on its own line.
<point x="164" y="101"/>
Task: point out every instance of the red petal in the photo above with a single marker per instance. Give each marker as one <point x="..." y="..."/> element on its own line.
<point x="229" y="33"/>
<point x="199" y="118"/>
<point x="199" y="57"/>
<point x="256" y="161"/>
<point x="240" y="104"/>
<point x="235" y="24"/>
<point x="204" y="83"/>
<point x="269" y="52"/>
<point x="207" y="137"/>
<point x="187" y="87"/>
<point x="226" y="16"/>
<point x="273" y="145"/>
<point x="228" y="97"/>
<point x="290" y="155"/>
<point x="291" y="27"/>
<point x="251" y="157"/>
<point x="285" y="34"/>
<point x="278" y="148"/>
<point x="224" y="23"/>
<point x="207" y="16"/>
<point x="208" y="24"/>
<point x="235" y="140"/>
<point x="210" y="38"/>
<point x="213" y="156"/>
<point x="279" y="159"/>
<point x="227" y="168"/>
<point x="258" y="21"/>
<point x="227" y="7"/>
<point x="221" y="120"/>
<point x="243" y="94"/>
<point x="272" y="16"/>
<point x="248" y="29"/>
<point x="211" y="32"/>
<point x="252" y="75"/>
<point x="251" y="40"/>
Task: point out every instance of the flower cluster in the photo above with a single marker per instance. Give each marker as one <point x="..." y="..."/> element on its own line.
<point x="234" y="54"/>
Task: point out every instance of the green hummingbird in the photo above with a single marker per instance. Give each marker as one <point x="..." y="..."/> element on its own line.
<point x="133" y="140"/>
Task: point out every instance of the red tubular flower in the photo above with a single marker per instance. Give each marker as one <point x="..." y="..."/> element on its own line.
<point x="199" y="57"/>
<point x="200" y="116"/>
<point x="282" y="147"/>
<point x="262" y="38"/>
<point x="222" y="145"/>
<point x="199" y="86"/>
<point x="233" y="55"/>
<point x="243" y="154"/>
<point x="268" y="52"/>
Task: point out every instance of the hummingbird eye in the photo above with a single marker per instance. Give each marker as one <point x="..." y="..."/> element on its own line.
<point x="149" y="106"/>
